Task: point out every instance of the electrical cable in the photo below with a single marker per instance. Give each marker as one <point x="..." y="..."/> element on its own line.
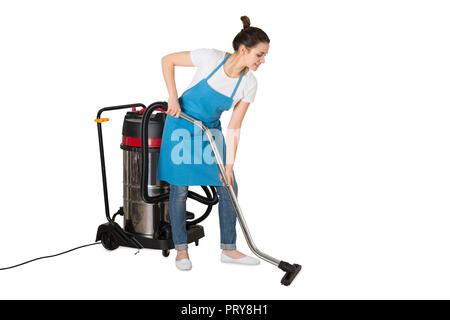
<point x="86" y="245"/>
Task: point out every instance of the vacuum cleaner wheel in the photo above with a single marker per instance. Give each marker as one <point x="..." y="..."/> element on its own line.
<point x="108" y="241"/>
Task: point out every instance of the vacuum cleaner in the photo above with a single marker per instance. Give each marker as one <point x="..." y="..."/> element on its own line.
<point x="146" y="222"/>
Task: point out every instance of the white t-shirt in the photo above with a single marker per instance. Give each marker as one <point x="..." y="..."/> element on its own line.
<point x="206" y="60"/>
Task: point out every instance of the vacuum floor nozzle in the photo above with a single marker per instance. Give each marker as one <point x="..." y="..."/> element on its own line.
<point x="291" y="272"/>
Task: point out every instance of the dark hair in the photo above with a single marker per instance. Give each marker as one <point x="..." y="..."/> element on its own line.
<point x="249" y="36"/>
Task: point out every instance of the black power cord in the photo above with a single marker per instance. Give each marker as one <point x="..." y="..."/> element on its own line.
<point x="20" y="264"/>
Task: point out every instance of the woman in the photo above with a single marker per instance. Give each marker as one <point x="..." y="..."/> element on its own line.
<point x="222" y="81"/>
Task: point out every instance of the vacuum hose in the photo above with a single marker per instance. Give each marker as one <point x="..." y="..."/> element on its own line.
<point x="209" y="200"/>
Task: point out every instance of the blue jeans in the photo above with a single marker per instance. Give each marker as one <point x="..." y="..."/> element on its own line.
<point x="177" y="213"/>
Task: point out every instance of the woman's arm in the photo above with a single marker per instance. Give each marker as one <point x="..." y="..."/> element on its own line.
<point x="168" y="64"/>
<point x="233" y="131"/>
<point x="232" y="140"/>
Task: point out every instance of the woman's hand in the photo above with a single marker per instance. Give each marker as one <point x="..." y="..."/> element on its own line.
<point x="229" y="175"/>
<point x="173" y="107"/>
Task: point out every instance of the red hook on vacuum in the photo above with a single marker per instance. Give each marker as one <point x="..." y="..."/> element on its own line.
<point x="143" y="110"/>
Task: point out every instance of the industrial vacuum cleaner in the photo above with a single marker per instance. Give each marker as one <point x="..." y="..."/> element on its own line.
<point x="145" y="210"/>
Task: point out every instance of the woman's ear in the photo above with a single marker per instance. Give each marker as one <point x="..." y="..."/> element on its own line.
<point x="243" y="50"/>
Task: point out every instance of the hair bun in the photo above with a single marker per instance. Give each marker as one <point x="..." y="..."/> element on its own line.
<point x="245" y="21"/>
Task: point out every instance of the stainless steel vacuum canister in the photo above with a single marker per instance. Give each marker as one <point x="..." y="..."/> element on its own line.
<point x="139" y="217"/>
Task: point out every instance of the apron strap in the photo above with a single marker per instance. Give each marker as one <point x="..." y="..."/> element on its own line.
<point x="237" y="85"/>
<point x="240" y="78"/>
<point x="214" y="71"/>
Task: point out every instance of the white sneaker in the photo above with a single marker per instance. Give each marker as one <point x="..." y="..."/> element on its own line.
<point x="183" y="264"/>
<point x="245" y="260"/>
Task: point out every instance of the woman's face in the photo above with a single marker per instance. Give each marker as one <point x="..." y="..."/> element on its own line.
<point x="256" y="55"/>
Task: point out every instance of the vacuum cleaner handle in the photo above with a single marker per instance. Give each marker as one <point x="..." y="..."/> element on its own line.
<point x="99" y="121"/>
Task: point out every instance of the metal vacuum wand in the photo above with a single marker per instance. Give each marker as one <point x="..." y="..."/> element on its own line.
<point x="291" y="269"/>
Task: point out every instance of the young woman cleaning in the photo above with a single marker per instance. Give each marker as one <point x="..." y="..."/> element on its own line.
<point x="222" y="81"/>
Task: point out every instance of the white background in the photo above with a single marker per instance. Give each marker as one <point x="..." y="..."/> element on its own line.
<point x="343" y="163"/>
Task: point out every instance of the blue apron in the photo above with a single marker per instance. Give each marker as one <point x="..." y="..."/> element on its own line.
<point x="186" y="158"/>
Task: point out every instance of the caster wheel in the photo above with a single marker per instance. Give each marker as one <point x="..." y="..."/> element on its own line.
<point x="196" y="243"/>
<point x="166" y="253"/>
<point x="108" y="241"/>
